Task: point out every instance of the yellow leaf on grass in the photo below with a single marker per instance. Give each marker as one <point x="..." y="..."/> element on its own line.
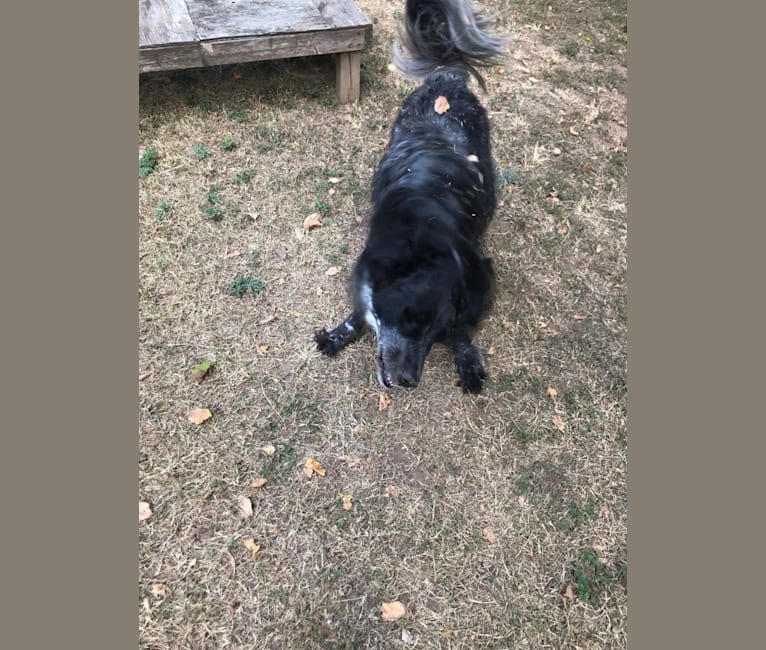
<point x="347" y="501"/>
<point x="384" y="402"/>
<point x="259" y="482"/>
<point x="441" y="105"/>
<point x="144" y="511"/>
<point x="333" y="270"/>
<point x="558" y="422"/>
<point x="198" y="416"/>
<point x="552" y="392"/>
<point x="245" y="506"/>
<point x="313" y="467"/>
<point x="489" y="535"/>
<point x="392" y="611"/>
<point x="314" y="220"/>
<point x="251" y="546"/>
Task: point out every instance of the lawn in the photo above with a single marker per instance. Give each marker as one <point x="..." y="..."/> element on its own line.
<point x="498" y="520"/>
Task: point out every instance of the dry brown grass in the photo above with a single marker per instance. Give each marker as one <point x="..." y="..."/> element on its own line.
<point x="554" y="499"/>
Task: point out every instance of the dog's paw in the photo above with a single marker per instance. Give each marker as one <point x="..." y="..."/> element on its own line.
<point x="471" y="371"/>
<point x="326" y="343"/>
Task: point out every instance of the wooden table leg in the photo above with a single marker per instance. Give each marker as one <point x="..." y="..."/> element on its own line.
<point x="347" y="69"/>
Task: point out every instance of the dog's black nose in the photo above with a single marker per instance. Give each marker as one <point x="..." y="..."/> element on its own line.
<point x="407" y="380"/>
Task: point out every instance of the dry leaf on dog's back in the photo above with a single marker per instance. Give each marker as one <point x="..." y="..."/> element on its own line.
<point x="392" y="611"/>
<point x="313" y="467"/>
<point x="314" y="220"/>
<point x="245" y="506"/>
<point x="259" y="482"/>
<point x="473" y="157"/>
<point x="384" y="402"/>
<point x="441" y="105"/>
<point x="198" y="416"/>
<point x="144" y="511"/>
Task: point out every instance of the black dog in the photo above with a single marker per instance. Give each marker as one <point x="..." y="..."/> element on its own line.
<point x="422" y="276"/>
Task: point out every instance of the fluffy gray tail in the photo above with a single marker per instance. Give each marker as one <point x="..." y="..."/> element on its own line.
<point x="449" y="34"/>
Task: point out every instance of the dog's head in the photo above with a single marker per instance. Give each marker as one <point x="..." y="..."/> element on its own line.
<point x="408" y="308"/>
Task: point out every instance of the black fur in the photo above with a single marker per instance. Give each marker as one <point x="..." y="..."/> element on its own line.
<point x="422" y="276"/>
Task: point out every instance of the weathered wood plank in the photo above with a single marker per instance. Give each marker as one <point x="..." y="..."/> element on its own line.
<point x="164" y="22"/>
<point x="170" y="57"/>
<point x="233" y="18"/>
<point x="281" y="46"/>
<point x="342" y="13"/>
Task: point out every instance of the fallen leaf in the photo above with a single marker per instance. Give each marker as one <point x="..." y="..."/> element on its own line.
<point x="251" y="546"/>
<point x="144" y="376"/>
<point x="314" y="220"/>
<point x="198" y="416"/>
<point x="407" y="637"/>
<point x="228" y="256"/>
<point x="573" y="131"/>
<point x="319" y="291"/>
<point x="473" y="158"/>
<point x="331" y="191"/>
<point x="392" y="491"/>
<point x="580" y="317"/>
<point x="262" y="349"/>
<point x="558" y="422"/>
<point x="333" y="270"/>
<point x="489" y="535"/>
<point x="159" y="590"/>
<point x="201" y="369"/>
<point x="562" y="229"/>
<point x="384" y="401"/>
<point x="522" y="500"/>
<point x="587" y="167"/>
<point x="352" y="461"/>
<point x="441" y="105"/>
<point x="245" y="506"/>
<point x="333" y="179"/>
<point x="392" y="611"/>
<point x="268" y="449"/>
<point x="313" y="467"/>
<point x="569" y="592"/>
<point x="144" y="511"/>
<point x="556" y="151"/>
<point x="347" y="501"/>
<point x="259" y="482"/>
<point x="552" y="392"/>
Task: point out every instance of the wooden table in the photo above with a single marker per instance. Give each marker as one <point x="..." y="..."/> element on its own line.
<point x="176" y="34"/>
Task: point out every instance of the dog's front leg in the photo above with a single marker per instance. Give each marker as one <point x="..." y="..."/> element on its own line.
<point x="330" y="343"/>
<point x="468" y="360"/>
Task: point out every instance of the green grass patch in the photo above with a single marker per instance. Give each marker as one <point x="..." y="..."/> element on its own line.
<point x="241" y="286"/>
<point x="147" y="162"/>
<point x="200" y="151"/>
